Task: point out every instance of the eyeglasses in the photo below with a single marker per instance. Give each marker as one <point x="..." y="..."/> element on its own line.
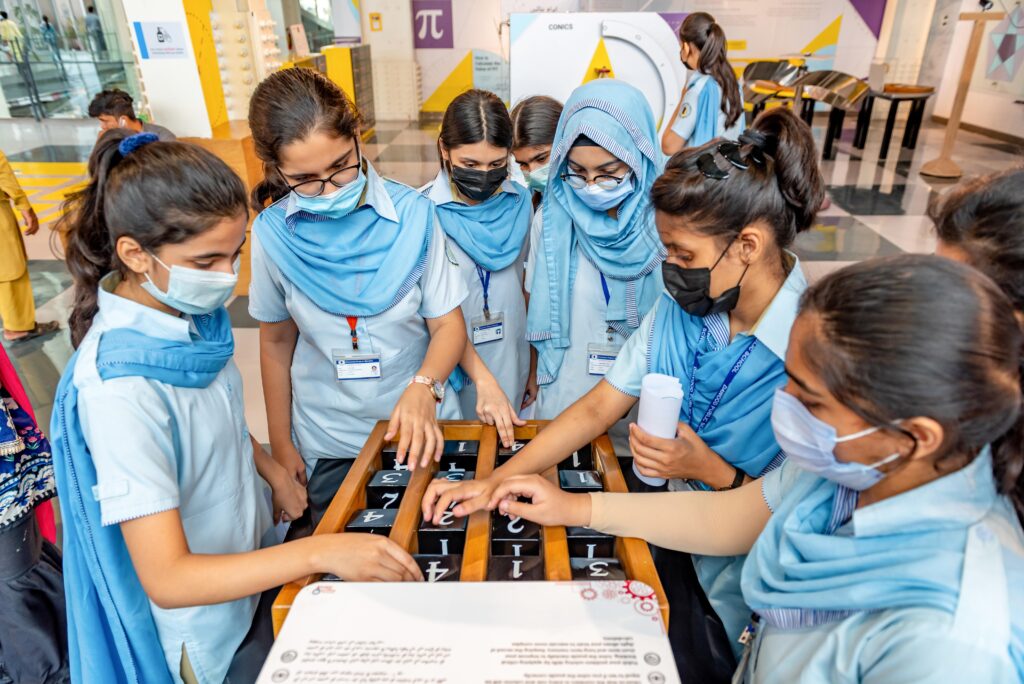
<point x="604" y="181"/>
<point x="315" y="188"/>
<point x="729" y="151"/>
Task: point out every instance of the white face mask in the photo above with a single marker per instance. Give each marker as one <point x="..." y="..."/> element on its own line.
<point x="192" y="291"/>
<point x="600" y="199"/>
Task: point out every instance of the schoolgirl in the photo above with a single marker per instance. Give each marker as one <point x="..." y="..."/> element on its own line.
<point x="357" y="297"/>
<point x="712" y="103"/>
<point x="727" y="214"/>
<point x="534" y="121"/>
<point x="167" y="530"/>
<point x="486" y="217"/>
<point x="888" y="547"/>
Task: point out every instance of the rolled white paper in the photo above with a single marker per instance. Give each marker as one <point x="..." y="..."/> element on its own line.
<point x="661" y="397"/>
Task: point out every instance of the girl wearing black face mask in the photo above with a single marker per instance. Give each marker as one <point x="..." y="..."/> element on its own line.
<point x="727" y="215"/>
<point x="486" y="218"/>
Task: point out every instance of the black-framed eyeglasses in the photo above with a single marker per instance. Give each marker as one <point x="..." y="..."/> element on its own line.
<point x="315" y="188"/>
<point x="729" y="151"/>
<point x="604" y="181"/>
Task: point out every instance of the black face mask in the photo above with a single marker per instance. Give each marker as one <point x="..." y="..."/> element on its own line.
<point x="475" y="184"/>
<point x="691" y="288"/>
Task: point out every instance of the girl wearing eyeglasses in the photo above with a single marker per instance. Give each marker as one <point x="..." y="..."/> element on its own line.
<point x="712" y="103"/>
<point x="358" y="299"/>
<point x="486" y="216"/>
<point x="727" y="213"/>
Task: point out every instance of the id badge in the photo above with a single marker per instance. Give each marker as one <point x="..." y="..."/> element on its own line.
<point x="488" y="329"/>
<point x="601" y="358"/>
<point x="352" y="366"/>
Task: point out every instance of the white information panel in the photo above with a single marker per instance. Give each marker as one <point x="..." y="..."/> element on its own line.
<point x="508" y="632"/>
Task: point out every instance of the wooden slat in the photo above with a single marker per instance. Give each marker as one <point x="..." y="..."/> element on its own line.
<point x="634" y="554"/>
<point x="351" y="497"/>
<point x="478" y="528"/>
<point x="556" y="545"/>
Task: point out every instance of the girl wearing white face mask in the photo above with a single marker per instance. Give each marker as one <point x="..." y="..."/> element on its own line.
<point x="167" y="528"/>
<point x="357" y="296"/>
<point x="534" y="121"/>
<point x="888" y="547"/>
<point x="593" y="268"/>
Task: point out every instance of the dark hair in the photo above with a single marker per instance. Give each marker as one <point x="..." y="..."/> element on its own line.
<point x="3" y="15"/>
<point x="474" y="116"/>
<point x="700" y="29"/>
<point x="46" y="19"/>
<point x="287" y="106"/>
<point x="114" y="102"/>
<point x="160" y="193"/>
<point x="534" y="121"/>
<point x="918" y="335"/>
<point x="984" y="217"/>
<point x="90" y="8"/>
<point x="782" y="184"/>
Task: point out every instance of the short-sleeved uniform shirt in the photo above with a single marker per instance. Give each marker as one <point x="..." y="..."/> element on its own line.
<point x="508" y="359"/>
<point x="332" y="418"/>
<point x="980" y="642"/>
<point x="686" y="121"/>
<point x="157" y="447"/>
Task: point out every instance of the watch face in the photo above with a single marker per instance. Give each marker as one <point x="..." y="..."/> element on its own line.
<point x="438" y="388"/>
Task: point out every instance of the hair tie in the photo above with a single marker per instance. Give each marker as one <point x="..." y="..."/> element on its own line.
<point x="134" y="142"/>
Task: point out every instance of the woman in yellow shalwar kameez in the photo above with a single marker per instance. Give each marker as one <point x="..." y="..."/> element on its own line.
<point x="17" y="308"/>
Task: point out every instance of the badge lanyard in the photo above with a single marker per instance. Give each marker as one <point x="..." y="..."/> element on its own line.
<point x="730" y="376"/>
<point x="485" y="283"/>
<point x="353" y="322"/>
<point x="607" y="302"/>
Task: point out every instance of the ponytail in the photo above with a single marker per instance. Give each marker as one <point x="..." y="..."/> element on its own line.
<point x="782" y="184"/>
<point x="701" y="30"/>
<point x="157" y="193"/>
<point x="90" y="252"/>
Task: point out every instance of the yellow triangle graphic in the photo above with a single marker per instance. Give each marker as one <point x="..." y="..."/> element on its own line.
<point x="600" y="65"/>
<point x="827" y="38"/>
<point x="458" y="81"/>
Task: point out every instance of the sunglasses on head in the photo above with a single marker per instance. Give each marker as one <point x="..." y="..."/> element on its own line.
<point x="729" y="151"/>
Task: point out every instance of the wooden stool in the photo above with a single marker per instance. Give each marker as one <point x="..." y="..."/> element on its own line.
<point x="896" y="93"/>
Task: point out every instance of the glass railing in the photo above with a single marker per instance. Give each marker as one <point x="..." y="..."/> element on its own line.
<point x="50" y="74"/>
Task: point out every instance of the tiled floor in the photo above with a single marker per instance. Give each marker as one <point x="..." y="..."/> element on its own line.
<point x="878" y="208"/>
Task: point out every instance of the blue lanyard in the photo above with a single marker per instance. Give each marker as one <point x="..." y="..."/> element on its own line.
<point x="485" y="283"/>
<point x="604" y="289"/>
<point x="730" y="376"/>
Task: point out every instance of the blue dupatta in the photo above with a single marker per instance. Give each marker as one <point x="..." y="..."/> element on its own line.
<point x="112" y="637"/>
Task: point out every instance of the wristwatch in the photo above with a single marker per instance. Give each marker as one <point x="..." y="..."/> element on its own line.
<point x="736" y="482"/>
<point x="436" y="386"/>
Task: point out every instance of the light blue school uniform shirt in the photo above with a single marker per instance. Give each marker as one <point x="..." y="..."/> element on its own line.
<point x="332" y="418"/>
<point x="508" y="359"/>
<point x="158" y="447"/>
<point x="720" y="576"/>
<point x="980" y="640"/>
<point x="686" y="122"/>
<point x="588" y="325"/>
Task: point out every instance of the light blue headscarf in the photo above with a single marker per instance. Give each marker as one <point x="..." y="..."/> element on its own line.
<point x="359" y="265"/>
<point x="626" y="250"/>
<point x="491" y="232"/>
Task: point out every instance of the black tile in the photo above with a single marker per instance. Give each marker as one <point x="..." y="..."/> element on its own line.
<point x="408" y="153"/>
<point x="870" y="201"/>
<point x="53" y="153"/>
<point x="842" y="238"/>
<point x="239" y="312"/>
